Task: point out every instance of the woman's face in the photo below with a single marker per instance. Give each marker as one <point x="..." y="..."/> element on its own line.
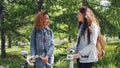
<point x="80" y="17"/>
<point x="46" y="20"/>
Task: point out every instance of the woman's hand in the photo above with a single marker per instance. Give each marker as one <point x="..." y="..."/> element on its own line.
<point x="45" y="59"/>
<point x="76" y="56"/>
<point x="69" y="49"/>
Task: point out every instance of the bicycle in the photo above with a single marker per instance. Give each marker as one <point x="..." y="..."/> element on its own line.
<point x="69" y="56"/>
<point x="25" y="64"/>
<point x="30" y="60"/>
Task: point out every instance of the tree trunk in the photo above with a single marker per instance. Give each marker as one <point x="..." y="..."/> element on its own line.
<point x="84" y="3"/>
<point x="1" y="15"/>
<point x="3" y="52"/>
<point x="118" y="35"/>
<point x="69" y="37"/>
<point x="9" y="41"/>
<point x="40" y="5"/>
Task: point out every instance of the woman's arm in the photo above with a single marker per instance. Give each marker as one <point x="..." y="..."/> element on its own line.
<point x="51" y="49"/>
<point x="32" y="50"/>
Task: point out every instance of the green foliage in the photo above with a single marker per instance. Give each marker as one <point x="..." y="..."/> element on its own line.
<point x="117" y="55"/>
<point x="63" y="13"/>
<point x="14" y="57"/>
<point x="115" y="3"/>
<point x="12" y="61"/>
<point x="113" y="43"/>
<point x="68" y="22"/>
<point x="20" y="14"/>
<point x="109" y="18"/>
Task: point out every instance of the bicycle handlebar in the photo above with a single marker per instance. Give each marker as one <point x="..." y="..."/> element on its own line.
<point x="33" y="58"/>
<point x="62" y="54"/>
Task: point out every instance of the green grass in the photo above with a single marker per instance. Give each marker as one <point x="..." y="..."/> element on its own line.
<point x="113" y="43"/>
<point x="14" y="57"/>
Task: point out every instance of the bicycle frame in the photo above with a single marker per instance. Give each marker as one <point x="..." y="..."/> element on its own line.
<point x="29" y="59"/>
<point x="69" y="57"/>
<point x="25" y="64"/>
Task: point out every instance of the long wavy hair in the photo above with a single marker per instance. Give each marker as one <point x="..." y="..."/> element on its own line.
<point x="89" y="18"/>
<point x="39" y="20"/>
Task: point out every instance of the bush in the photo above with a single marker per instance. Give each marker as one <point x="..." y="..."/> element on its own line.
<point x="117" y="56"/>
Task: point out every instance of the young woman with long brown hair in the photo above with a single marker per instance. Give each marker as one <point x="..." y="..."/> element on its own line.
<point x="85" y="47"/>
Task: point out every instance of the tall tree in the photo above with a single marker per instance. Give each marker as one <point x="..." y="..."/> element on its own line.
<point x="18" y="14"/>
<point x="3" y="52"/>
<point x="9" y="40"/>
<point x="40" y="5"/>
<point x="84" y="3"/>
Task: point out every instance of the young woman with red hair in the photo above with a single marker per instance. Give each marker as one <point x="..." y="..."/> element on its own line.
<point x="41" y="42"/>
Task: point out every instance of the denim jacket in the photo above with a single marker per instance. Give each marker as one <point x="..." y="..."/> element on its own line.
<point x="44" y="43"/>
